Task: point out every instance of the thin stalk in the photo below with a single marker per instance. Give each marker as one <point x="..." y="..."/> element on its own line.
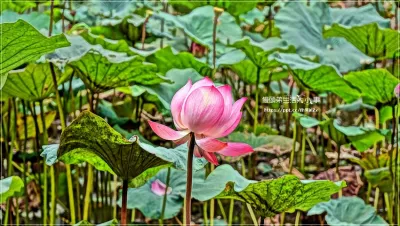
<point x="231" y="206"/>
<point x="282" y="222"/>
<point x="164" y="203"/>
<point x="212" y="203"/>
<point x="389" y="208"/>
<point x="24" y="161"/>
<point x="217" y="13"/>
<point x="303" y="150"/>
<point x="369" y="190"/>
<point x="205" y="214"/>
<point x="297" y="221"/>
<point x="124" y="211"/>
<point x="252" y="215"/>
<point x="17" y="219"/>
<point x="337" y="168"/>
<point x="133" y="216"/>
<point x="293" y="148"/>
<point x="53" y="195"/>
<point x="88" y="192"/>
<point x="144" y="30"/>
<point x="221" y="207"/>
<point x="114" y="203"/>
<point x="256" y="99"/>
<point x="189" y="179"/>
<point x="376" y="200"/>
<point x="67" y="166"/>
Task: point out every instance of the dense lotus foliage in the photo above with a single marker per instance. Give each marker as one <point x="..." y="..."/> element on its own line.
<point x="199" y="112"/>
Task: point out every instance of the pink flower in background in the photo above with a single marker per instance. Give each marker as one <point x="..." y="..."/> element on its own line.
<point x="397" y="91"/>
<point x="209" y="112"/>
<point x="158" y="188"/>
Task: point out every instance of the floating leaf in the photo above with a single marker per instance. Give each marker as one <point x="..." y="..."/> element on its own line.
<point x="285" y="194"/>
<point x="34" y="82"/>
<point x="302" y="26"/>
<point x="38" y="20"/>
<point x="22" y="43"/>
<point x="10" y="187"/>
<point x="376" y="85"/>
<point x="317" y="77"/>
<point x="347" y="211"/>
<point x="149" y="201"/>
<point x="101" y="73"/>
<point x="166" y="60"/>
<point x="233" y="7"/>
<point x="369" y="39"/>
<point x="108" y="150"/>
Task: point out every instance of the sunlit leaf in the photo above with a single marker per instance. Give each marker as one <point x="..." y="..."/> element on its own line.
<point x="49" y="118"/>
<point x="284" y="194"/>
<point x="22" y="43"/>
<point x="369" y="39"/>
<point x="376" y="85"/>
<point x="125" y="158"/>
<point x="34" y="82"/>
<point x="10" y="187"/>
<point x="347" y="211"/>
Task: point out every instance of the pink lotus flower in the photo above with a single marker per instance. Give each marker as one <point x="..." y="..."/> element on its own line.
<point x="158" y="188"/>
<point x="397" y="91"/>
<point x="208" y="112"/>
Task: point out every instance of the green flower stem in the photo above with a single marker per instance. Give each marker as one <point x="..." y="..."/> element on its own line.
<point x="217" y="13"/>
<point x="189" y="180"/>
<point x="205" y="214"/>
<point x="231" y="206"/>
<point x="53" y="195"/>
<point x="124" y="210"/>
<point x="297" y="221"/>
<point x="221" y="207"/>
<point x="293" y="148"/>
<point x="252" y="215"/>
<point x="212" y="203"/>
<point x="24" y="161"/>
<point x="376" y="200"/>
<point x="88" y="192"/>
<point x="133" y="215"/>
<point x="256" y="100"/>
<point x="389" y="207"/>
<point x="303" y="149"/>
<point x="67" y="166"/>
<point x="164" y="203"/>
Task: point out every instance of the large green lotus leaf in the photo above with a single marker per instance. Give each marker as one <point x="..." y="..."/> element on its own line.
<point x="89" y="136"/>
<point x="34" y="82"/>
<point x="37" y="20"/>
<point x="305" y="120"/>
<point x="258" y="52"/>
<point x="369" y="39"/>
<point x="198" y="25"/>
<point x="165" y="91"/>
<point x="22" y="43"/>
<point x="284" y="194"/>
<point x="302" y="26"/>
<point x="376" y="85"/>
<point x="10" y="187"/>
<point x="317" y="77"/>
<point x="263" y="143"/>
<point x="231" y="6"/>
<point x="382" y="178"/>
<point x="347" y="211"/>
<point x="166" y="60"/>
<point x="385" y="113"/>
<point x="101" y="73"/>
<point x="217" y="181"/>
<point x="149" y="201"/>
<point x="111" y="8"/>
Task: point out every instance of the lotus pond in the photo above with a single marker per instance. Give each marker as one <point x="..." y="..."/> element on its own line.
<point x="217" y="112"/>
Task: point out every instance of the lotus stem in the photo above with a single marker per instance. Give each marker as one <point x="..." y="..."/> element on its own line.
<point x="88" y="192"/>
<point x="293" y="148"/>
<point x="114" y="202"/>
<point x="67" y="166"/>
<point x="164" y="203"/>
<point x="303" y="149"/>
<point x="124" y="211"/>
<point x="297" y="221"/>
<point x="53" y="195"/>
<point x="24" y="161"/>
<point x="189" y="179"/>
<point x="231" y="206"/>
<point x="256" y="100"/>
<point x="217" y="13"/>
<point x="205" y="214"/>
<point x="212" y="203"/>
<point x="144" y="30"/>
<point x="376" y="200"/>
<point x="133" y="215"/>
<point x="389" y="208"/>
<point x="282" y="219"/>
<point x="252" y="215"/>
<point x="221" y="207"/>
